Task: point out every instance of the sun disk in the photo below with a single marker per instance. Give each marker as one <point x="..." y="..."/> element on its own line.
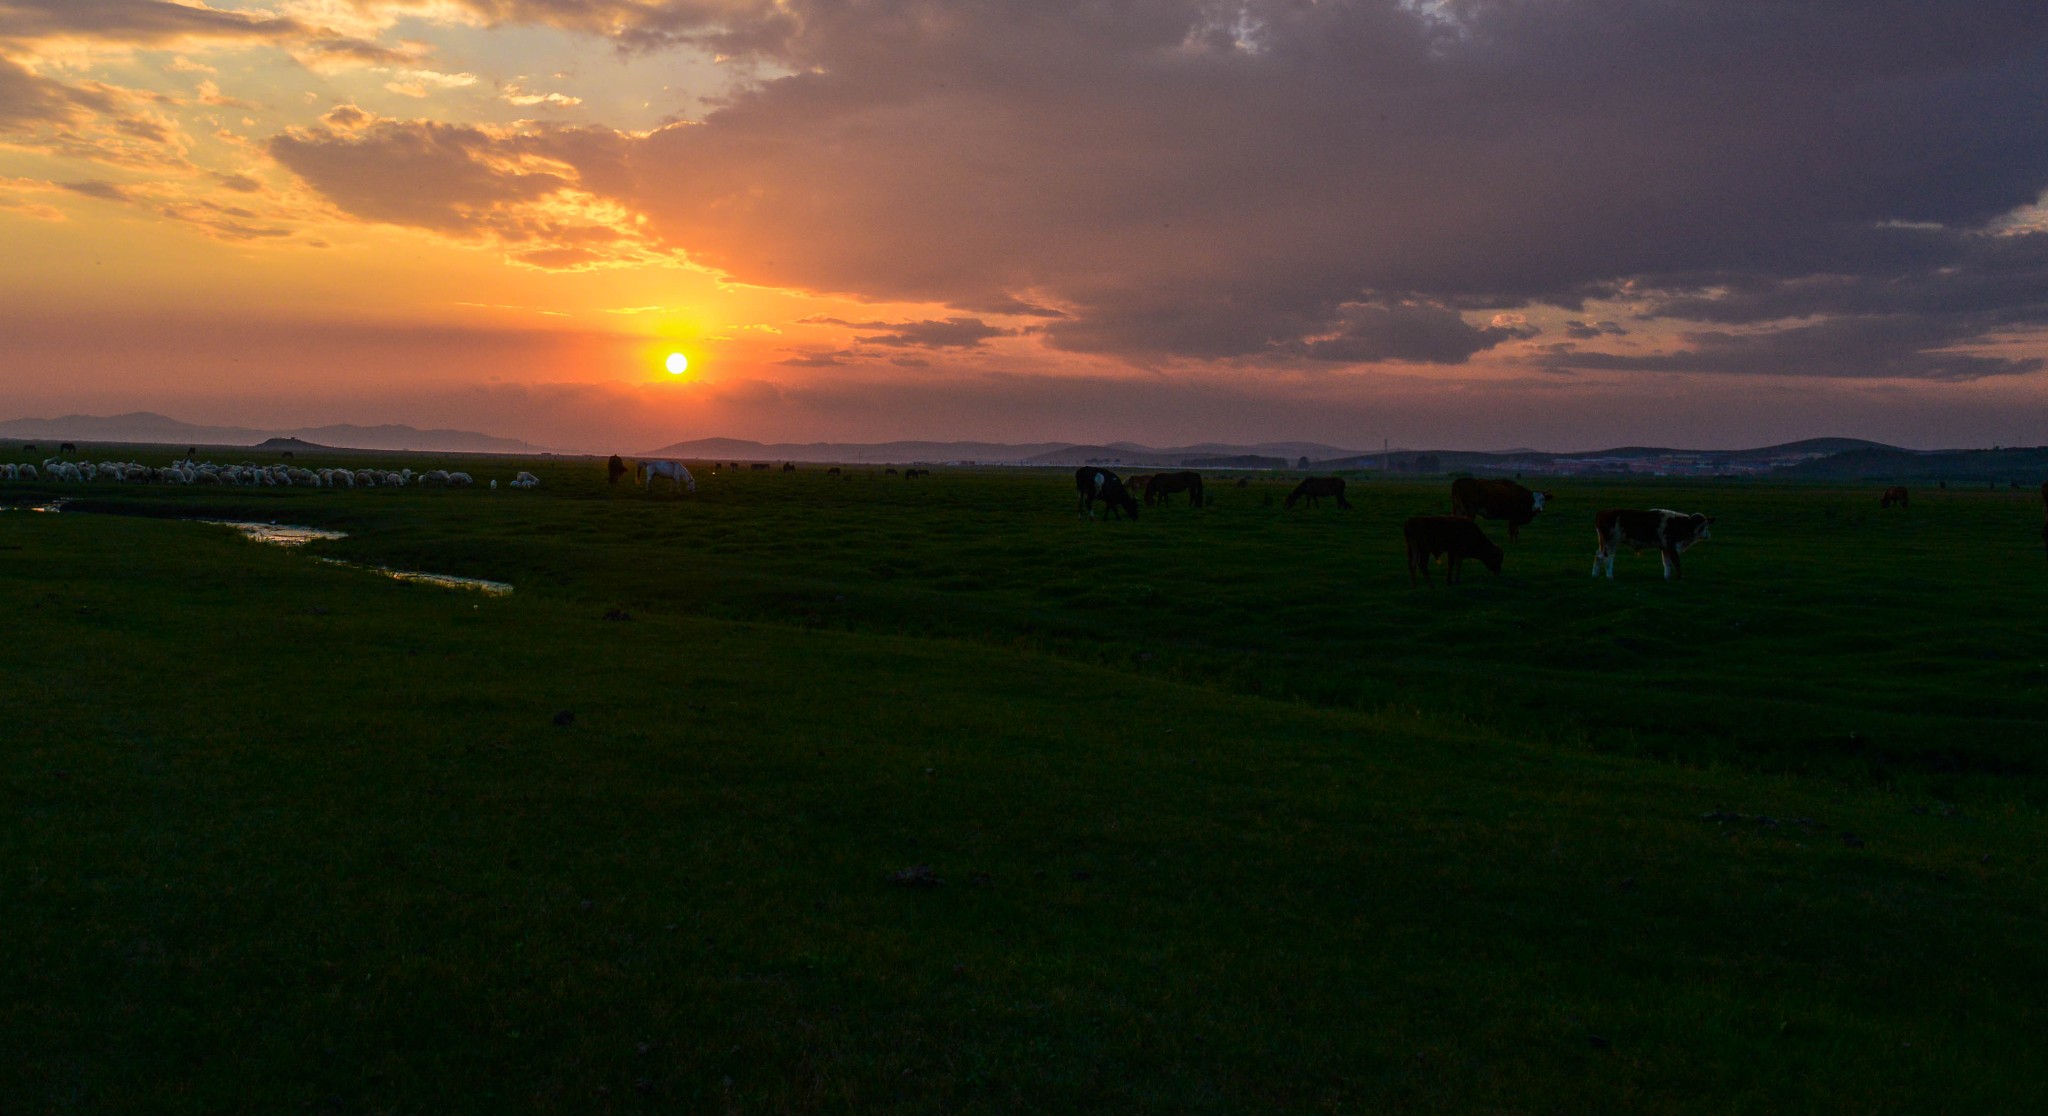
<point x="678" y="364"/>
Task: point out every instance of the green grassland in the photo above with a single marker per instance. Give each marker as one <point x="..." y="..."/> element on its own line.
<point x="1229" y="817"/>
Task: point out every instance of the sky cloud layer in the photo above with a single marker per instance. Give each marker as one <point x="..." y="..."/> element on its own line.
<point x="1570" y="191"/>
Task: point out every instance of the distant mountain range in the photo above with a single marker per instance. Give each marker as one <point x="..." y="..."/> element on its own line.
<point x="149" y="428"/>
<point x="1295" y="455"/>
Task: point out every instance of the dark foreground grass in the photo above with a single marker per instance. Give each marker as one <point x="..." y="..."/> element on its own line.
<point x="288" y="836"/>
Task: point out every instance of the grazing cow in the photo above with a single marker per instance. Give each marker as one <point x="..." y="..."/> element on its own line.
<point x="1668" y="532"/>
<point x="1496" y="499"/>
<point x="1158" y="488"/>
<point x="1453" y="536"/>
<point x="68" y="447"/>
<point x="1315" y="488"/>
<point x="1101" y="484"/>
<point x="1896" y="494"/>
<point x="678" y="476"/>
<point x="614" y="469"/>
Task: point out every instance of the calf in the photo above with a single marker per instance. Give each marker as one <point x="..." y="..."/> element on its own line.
<point x="1496" y="499"/>
<point x="1668" y="532"/>
<point x="1453" y="536"/>
<point x="1893" y="495"/>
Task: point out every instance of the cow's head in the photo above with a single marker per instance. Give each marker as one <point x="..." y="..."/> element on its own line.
<point x="1490" y="556"/>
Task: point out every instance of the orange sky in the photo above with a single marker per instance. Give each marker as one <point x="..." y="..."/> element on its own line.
<point x="1012" y="221"/>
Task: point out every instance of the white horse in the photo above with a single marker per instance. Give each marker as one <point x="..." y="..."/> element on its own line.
<point x="678" y="476"/>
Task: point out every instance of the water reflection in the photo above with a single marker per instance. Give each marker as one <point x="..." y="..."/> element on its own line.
<point x="287" y="534"/>
<point x="277" y="534"/>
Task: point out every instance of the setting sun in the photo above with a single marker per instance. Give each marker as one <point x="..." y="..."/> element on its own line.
<point x="678" y="364"/>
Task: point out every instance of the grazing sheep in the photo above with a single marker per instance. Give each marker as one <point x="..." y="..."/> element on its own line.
<point x="460" y="480"/>
<point x="525" y="480"/>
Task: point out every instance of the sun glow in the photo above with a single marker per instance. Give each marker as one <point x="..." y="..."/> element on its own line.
<point x="677" y="364"/>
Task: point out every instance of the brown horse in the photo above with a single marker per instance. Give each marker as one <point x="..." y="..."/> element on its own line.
<point x="1317" y="487"/>
<point x="1159" y="487"/>
<point x="616" y="468"/>
<point x="1893" y="495"/>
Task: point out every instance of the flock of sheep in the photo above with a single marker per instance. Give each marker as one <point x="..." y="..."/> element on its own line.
<point x="246" y="474"/>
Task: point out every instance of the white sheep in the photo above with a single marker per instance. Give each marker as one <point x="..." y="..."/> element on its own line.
<point x="525" y="480"/>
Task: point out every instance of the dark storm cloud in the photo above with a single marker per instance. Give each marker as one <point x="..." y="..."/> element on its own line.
<point x="1181" y="178"/>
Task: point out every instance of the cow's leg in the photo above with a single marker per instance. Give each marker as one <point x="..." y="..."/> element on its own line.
<point x="1451" y="565"/>
<point x="1670" y="563"/>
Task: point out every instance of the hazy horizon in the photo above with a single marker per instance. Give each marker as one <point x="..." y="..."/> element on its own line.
<point x="1567" y="225"/>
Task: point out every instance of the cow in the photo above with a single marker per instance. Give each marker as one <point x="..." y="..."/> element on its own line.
<point x="1159" y="487"/>
<point x="1453" y="536"/>
<point x="1896" y="494"/>
<point x="1668" y="532"/>
<point x="1100" y="484"/>
<point x="1496" y="499"/>
<point x="615" y="468"/>
<point x="1317" y="487"/>
<point x="68" y="447"/>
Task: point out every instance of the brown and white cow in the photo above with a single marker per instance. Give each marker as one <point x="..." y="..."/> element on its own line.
<point x="1661" y="529"/>
<point x="1496" y="499"/>
<point x="1896" y="494"/>
<point x="1453" y="536"/>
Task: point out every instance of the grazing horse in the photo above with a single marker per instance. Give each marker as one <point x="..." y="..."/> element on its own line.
<point x="615" y="468"/>
<point x="1100" y="484"/>
<point x="68" y="447"/>
<point x="1896" y="494"/>
<point x="1158" y="488"/>
<point x="1317" y="487"/>
<point x="1142" y="485"/>
<point x="678" y="476"/>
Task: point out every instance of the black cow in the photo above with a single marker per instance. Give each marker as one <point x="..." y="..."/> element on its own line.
<point x="1100" y="484"/>
<point x="1496" y="499"/>
<point x="1453" y="536"/>
<point x="1162" y="485"/>
<point x="1317" y="487"/>
<point x="1667" y="532"/>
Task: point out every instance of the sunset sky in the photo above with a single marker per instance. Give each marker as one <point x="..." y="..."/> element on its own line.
<point x="1563" y="224"/>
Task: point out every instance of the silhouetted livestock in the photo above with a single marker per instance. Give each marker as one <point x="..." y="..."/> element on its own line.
<point x="614" y="469"/>
<point x="1315" y="488"/>
<point x="1668" y="532"/>
<point x="916" y="474"/>
<point x="759" y="467"/>
<point x="789" y="466"/>
<point x="1142" y="485"/>
<point x="1896" y="494"/>
<point x="1496" y="499"/>
<point x="1100" y="484"/>
<point x="1453" y="536"/>
<point x="888" y="472"/>
<point x="68" y="447"/>
<point x="2044" y="513"/>
<point x="833" y="471"/>
<point x="1158" y="488"/>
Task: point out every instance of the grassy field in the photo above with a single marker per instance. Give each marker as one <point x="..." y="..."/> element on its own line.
<point x="1229" y="818"/>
